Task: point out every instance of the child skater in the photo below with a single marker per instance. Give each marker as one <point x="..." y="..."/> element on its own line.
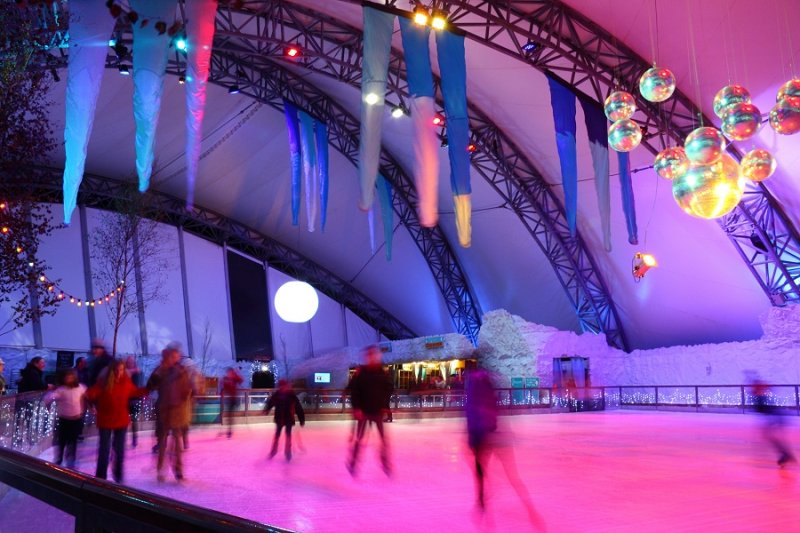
<point x="70" y="400"/>
<point x="286" y="405"/>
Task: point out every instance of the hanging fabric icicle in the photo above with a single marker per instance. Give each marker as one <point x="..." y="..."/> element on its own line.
<point x="628" y="204"/>
<point x="452" y="63"/>
<point x="200" y="15"/>
<point x="371" y="222"/>
<point x="426" y="148"/>
<point x="562" y="101"/>
<point x="596" y="122"/>
<point x="310" y="176"/>
<point x="90" y="27"/>
<point x="378" y="27"/>
<point x="149" y="68"/>
<point x="321" y="140"/>
<point x="387" y="213"/>
<point x="293" y="127"/>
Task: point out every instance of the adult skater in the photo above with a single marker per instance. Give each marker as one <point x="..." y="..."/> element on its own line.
<point x="230" y="396"/>
<point x="485" y="440"/>
<point x="286" y="405"/>
<point x="370" y="390"/>
<point x="773" y="423"/>
<point x="111" y="394"/>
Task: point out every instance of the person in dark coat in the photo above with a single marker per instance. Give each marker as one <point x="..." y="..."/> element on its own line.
<point x="32" y="376"/>
<point x="100" y="360"/>
<point x="82" y="368"/>
<point x="370" y="389"/>
<point x="286" y="405"/>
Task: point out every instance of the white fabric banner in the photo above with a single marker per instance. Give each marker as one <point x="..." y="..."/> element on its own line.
<point x="90" y="27"/>
<point x="149" y="67"/>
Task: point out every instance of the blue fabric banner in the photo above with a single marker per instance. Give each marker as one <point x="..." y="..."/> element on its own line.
<point x="321" y="137"/>
<point x="310" y="177"/>
<point x="596" y="122"/>
<point x="562" y="101"/>
<point x="452" y="63"/>
<point x="418" y="58"/>
<point x="387" y="213"/>
<point x="293" y="127"/>
<point x="628" y="204"/>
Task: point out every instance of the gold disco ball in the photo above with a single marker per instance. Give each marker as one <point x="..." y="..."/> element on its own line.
<point x="758" y="164"/>
<point x="709" y="191"/>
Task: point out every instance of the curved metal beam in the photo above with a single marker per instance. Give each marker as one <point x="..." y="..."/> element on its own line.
<point x="44" y="184"/>
<point x="573" y="48"/>
<point x="333" y="48"/>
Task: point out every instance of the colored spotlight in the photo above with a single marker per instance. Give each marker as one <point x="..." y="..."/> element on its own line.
<point x="438" y="120"/>
<point x="642" y="263"/>
<point x="292" y="51"/>
<point x="181" y="44"/>
<point x="420" y="16"/>
<point x="439" y="20"/>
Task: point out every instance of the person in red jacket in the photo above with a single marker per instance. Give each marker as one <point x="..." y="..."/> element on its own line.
<point x="111" y="395"/>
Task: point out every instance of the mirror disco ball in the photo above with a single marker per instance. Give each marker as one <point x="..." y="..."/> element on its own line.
<point x="709" y="191"/>
<point x="729" y="96"/>
<point x="624" y="135"/>
<point x="704" y="146"/>
<point x="657" y="84"/>
<point x="619" y="105"/>
<point x="671" y="163"/>
<point x="785" y="116"/>
<point x="758" y="165"/>
<point x="741" y="121"/>
<point x="790" y="88"/>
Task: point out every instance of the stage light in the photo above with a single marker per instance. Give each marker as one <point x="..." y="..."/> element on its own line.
<point x="181" y="44"/>
<point x="642" y="263"/>
<point x="181" y="79"/>
<point x="439" y="20"/>
<point x="398" y="111"/>
<point x="420" y="15"/>
<point x="292" y="51"/>
<point x="124" y="70"/>
<point x="296" y="301"/>
<point x="438" y="120"/>
<point x="444" y="141"/>
<point x="112" y="42"/>
<point x="234" y="89"/>
<point x="530" y="47"/>
<point x="120" y="50"/>
<point x="372" y="98"/>
<point x="2" y="205"/>
<point x="472" y="147"/>
<point x="4" y="229"/>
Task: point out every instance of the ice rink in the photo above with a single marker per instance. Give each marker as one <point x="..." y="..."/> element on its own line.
<point x="604" y="471"/>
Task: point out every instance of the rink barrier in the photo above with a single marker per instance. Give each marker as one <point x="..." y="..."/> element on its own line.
<point x="100" y="506"/>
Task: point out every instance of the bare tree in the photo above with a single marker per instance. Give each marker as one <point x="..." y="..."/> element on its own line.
<point x="123" y="240"/>
<point x="206" y="351"/>
<point x="284" y="357"/>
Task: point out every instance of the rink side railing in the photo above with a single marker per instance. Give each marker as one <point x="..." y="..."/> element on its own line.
<point x="26" y="423"/>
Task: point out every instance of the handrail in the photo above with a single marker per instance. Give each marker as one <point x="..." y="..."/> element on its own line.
<point x="99" y="505"/>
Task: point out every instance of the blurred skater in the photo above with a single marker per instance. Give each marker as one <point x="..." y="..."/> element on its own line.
<point x="111" y="393"/>
<point x="773" y="428"/>
<point x="286" y="405"/>
<point x="486" y="441"/>
<point x="174" y="386"/>
<point x="230" y="396"/>
<point x="70" y="400"/>
<point x="370" y="390"/>
<point x="135" y="405"/>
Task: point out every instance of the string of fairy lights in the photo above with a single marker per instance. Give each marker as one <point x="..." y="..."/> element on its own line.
<point x="51" y="286"/>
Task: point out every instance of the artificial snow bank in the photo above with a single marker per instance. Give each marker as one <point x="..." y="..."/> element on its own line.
<point x="510" y="346"/>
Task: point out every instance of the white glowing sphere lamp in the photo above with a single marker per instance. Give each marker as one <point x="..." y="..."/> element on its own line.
<point x="296" y="301"/>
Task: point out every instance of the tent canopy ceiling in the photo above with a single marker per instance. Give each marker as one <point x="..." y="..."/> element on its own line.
<point x="702" y="291"/>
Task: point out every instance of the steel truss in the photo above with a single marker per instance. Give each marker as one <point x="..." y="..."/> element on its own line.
<point x="44" y="185"/>
<point x="333" y="48"/>
<point x="573" y="48"/>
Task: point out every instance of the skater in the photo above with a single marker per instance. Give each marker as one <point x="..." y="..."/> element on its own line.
<point x="111" y="394"/>
<point x="135" y="405"/>
<point x="174" y="386"/>
<point x="286" y="405"/>
<point x="99" y="361"/>
<point x="485" y="440"/>
<point x="70" y="400"/>
<point x="230" y="396"/>
<point x="370" y="390"/>
<point x="773" y="428"/>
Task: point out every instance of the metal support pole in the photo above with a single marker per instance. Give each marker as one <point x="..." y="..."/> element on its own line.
<point x="185" y="285"/>
<point x="87" y="269"/>
<point x="697" y="398"/>
<point x="228" y="299"/>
